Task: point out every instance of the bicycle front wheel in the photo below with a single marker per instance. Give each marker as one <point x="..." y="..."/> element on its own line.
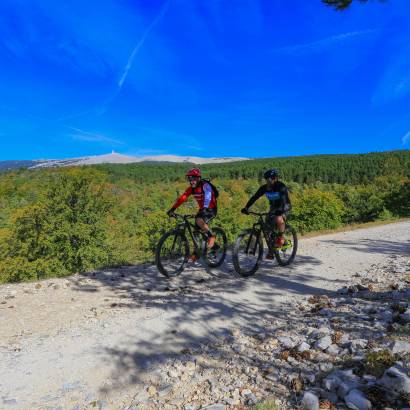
<point x="215" y="257"/>
<point x="285" y="255"/>
<point x="248" y="253"/>
<point x="172" y="253"/>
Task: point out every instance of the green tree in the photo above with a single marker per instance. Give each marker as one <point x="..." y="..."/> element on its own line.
<point x="57" y="221"/>
<point x="341" y="5"/>
<point x="362" y="203"/>
<point x="64" y="233"/>
<point x="399" y="201"/>
<point x="314" y="210"/>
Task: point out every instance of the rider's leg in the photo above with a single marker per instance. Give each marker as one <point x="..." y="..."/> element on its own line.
<point x="200" y="223"/>
<point x="206" y="230"/>
<point x="280" y="223"/>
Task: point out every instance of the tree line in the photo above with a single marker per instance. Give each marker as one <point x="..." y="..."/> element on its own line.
<point x="342" y="169"/>
<point x="54" y="222"/>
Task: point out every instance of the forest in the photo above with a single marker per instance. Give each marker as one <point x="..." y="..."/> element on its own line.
<point x="59" y="221"/>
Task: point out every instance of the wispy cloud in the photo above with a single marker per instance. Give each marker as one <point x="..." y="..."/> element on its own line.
<point x="323" y="44"/>
<point x="395" y="82"/>
<point x="141" y="42"/>
<point x="406" y="138"/>
<point x="81" y="135"/>
<point x="395" y="128"/>
<point x="102" y="108"/>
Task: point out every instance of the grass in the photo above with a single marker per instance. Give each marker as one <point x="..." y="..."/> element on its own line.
<point x="269" y="404"/>
<point x="377" y="362"/>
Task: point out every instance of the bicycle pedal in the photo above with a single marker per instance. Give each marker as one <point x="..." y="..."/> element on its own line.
<point x="270" y="257"/>
<point x="193" y="258"/>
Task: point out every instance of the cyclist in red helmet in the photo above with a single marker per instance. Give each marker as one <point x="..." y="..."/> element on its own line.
<point x="204" y="193"/>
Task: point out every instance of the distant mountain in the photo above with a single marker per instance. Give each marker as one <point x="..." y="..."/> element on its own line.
<point x="8" y="165"/>
<point x="113" y="158"/>
<point x="192" y="160"/>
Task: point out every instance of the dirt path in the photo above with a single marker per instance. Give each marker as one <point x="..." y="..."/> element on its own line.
<point x="93" y="341"/>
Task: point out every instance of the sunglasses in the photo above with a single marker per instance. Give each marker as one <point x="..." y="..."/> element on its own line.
<point x="193" y="178"/>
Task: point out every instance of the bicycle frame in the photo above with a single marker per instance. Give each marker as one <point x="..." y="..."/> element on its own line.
<point x="261" y="227"/>
<point x="192" y="229"/>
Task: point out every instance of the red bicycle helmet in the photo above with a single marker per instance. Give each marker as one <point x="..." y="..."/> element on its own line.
<point x="194" y="172"/>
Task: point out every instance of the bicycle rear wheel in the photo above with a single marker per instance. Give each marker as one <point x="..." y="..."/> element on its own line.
<point x="215" y="257"/>
<point x="285" y="255"/>
<point x="172" y="253"/>
<point x="248" y="252"/>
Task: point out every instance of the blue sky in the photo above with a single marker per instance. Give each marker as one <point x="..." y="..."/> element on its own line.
<point x="206" y="77"/>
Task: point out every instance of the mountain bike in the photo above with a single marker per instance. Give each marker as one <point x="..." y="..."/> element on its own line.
<point x="173" y="249"/>
<point x="248" y="249"/>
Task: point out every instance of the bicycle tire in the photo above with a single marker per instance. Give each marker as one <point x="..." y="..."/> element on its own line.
<point x="160" y="263"/>
<point x="236" y="253"/>
<point x="219" y="233"/>
<point x="282" y="261"/>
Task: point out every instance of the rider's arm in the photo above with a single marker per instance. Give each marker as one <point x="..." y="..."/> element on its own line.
<point x="259" y="193"/>
<point x="182" y="198"/>
<point x="283" y="198"/>
<point x="207" y="195"/>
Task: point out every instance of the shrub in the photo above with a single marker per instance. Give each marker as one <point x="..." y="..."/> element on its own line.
<point x="315" y="210"/>
<point x="399" y="201"/>
<point x="361" y="203"/>
<point x="377" y="362"/>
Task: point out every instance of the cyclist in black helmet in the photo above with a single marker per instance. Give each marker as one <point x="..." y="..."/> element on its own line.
<point x="278" y="196"/>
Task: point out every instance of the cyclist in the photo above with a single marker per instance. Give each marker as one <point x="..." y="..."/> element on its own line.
<point x="205" y="195"/>
<point x="278" y="196"/>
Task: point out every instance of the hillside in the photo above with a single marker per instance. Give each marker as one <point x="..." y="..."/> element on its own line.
<point x="56" y="221"/>
<point x="338" y="168"/>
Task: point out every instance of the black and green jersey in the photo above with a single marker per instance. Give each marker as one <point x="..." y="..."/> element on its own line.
<point x="277" y="195"/>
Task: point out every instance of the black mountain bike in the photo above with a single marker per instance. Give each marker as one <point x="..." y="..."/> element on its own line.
<point x="173" y="249"/>
<point x="248" y="250"/>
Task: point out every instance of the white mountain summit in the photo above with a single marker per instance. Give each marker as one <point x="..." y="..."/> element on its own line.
<point x="115" y="158"/>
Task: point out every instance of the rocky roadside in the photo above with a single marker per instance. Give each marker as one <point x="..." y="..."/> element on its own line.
<point x="344" y="350"/>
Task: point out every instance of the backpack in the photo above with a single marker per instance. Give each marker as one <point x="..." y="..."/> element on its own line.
<point x="214" y="188"/>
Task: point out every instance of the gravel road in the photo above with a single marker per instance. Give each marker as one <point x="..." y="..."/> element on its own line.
<point x="94" y="340"/>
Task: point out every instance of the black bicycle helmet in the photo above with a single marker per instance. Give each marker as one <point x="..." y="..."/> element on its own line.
<point x="271" y="173"/>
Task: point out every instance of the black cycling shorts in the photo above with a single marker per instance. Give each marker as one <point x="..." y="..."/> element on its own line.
<point x="270" y="218"/>
<point x="207" y="214"/>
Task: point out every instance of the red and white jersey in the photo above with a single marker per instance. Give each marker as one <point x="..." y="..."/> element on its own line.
<point x="203" y="194"/>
